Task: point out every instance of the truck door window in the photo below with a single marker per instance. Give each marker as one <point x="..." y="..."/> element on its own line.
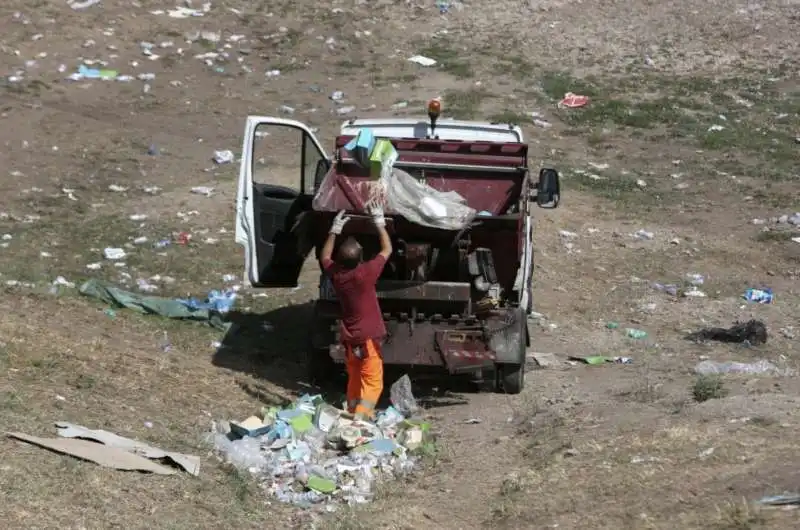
<point x="311" y="161"/>
<point x="285" y="156"/>
<point x="278" y="156"/>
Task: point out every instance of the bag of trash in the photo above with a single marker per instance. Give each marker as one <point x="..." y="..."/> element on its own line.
<point x="423" y="205"/>
<point x="753" y="332"/>
<point x="402" y="397"/>
<point x="394" y="190"/>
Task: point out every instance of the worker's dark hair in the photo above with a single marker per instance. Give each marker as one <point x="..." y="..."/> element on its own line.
<point x="349" y="255"/>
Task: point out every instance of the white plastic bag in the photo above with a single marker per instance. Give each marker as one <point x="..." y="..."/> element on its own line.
<point x="421" y="204"/>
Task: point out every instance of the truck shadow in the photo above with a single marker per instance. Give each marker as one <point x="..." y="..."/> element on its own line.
<point x="271" y="346"/>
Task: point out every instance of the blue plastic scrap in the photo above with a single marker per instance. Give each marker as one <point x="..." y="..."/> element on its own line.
<point x="761" y="296"/>
<point x="381" y="446"/>
<point x="280" y="430"/>
<point x="361" y="146"/>
<point x="219" y="301"/>
<point x="790" y="499"/>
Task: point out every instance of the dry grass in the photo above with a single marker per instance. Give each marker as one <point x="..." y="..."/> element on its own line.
<point x="707" y="387"/>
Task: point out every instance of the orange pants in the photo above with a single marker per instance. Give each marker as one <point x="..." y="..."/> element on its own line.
<point x="364" y="378"/>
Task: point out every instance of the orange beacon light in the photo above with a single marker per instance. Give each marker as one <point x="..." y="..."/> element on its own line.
<point x="434" y="110"/>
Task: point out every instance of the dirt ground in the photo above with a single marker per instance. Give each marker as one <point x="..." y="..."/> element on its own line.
<point x="692" y="134"/>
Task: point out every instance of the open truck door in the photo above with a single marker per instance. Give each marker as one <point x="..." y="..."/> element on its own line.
<point x="281" y="161"/>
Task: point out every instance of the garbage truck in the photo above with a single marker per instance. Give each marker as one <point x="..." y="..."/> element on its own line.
<point x="454" y="300"/>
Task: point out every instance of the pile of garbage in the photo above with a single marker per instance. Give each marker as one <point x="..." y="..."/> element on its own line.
<point x="314" y="454"/>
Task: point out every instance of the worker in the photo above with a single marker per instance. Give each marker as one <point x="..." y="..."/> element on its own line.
<point x="362" y="328"/>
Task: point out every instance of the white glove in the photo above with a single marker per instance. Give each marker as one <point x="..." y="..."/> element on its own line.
<point x="377" y="216"/>
<point x="338" y="223"/>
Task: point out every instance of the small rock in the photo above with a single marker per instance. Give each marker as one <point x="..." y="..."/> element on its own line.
<point x="544" y="360"/>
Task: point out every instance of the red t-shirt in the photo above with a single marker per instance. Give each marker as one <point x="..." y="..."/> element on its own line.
<point x="355" y="288"/>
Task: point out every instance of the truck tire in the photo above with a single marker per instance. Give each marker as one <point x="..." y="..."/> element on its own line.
<point x="511" y="377"/>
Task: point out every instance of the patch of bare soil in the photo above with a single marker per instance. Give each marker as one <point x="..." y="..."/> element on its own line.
<point x="690" y="135"/>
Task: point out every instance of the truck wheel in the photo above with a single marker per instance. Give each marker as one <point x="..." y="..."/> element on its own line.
<point x="511" y="377"/>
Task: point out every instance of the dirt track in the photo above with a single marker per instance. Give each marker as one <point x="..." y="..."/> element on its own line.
<point x="616" y="446"/>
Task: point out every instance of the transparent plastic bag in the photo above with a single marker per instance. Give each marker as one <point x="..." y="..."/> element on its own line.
<point x="244" y="453"/>
<point x="761" y="367"/>
<point x="402" y="396"/>
<point x="423" y="205"/>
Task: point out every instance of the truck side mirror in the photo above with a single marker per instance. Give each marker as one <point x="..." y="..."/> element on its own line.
<point x="548" y="190"/>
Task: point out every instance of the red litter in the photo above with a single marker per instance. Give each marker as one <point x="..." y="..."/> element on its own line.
<point x="573" y="101"/>
<point x="184" y="238"/>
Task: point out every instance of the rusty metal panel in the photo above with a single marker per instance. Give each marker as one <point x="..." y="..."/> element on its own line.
<point x="411" y="344"/>
<point x="463" y="349"/>
<point x="488" y="175"/>
<point x="402" y="290"/>
<point x="427" y="344"/>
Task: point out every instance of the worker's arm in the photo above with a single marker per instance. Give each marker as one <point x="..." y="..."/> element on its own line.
<point x="326" y="255"/>
<point x="383" y="235"/>
<point x="327" y="250"/>
<point x="372" y="269"/>
<point x="386" y="242"/>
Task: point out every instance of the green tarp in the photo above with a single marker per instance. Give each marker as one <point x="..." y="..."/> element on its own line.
<point x="148" y="304"/>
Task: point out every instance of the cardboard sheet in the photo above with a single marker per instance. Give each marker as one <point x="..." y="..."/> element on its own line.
<point x="103" y="455"/>
<point x="191" y="464"/>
